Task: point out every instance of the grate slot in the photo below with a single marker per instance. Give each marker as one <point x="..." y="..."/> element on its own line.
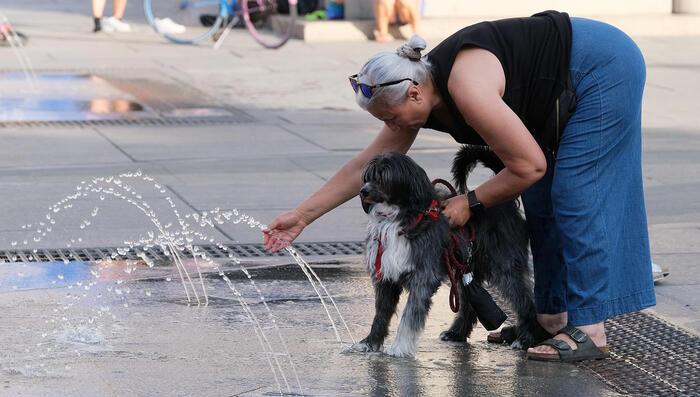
<point x="157" y="253"/>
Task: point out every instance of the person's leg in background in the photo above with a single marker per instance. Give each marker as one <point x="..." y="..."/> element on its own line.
<point x="119" y="7"/>
<point x="409" y="12"/>
<point x="98" y="8"/>
<point x="384" y="13"/>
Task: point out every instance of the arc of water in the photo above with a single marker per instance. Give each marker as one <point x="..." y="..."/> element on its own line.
<point x="313" y="284"/>
<point x="180" y="269"/>
<point x="145" y="208"/>
<point x="185" y="228"/>
<point x="201" y="278"/>
<point x="15" y="43"/>
<point x="251" y="315"/>
<point x="272" y="319"/>
<point x="306" y="268"/>
<point x="308" y="271"/>
<point x="252" y="223"/>
<point x="258" y="332"/>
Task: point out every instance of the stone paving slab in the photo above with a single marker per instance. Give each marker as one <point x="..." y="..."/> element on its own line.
<point x="251" y="192"/>
<point x="205" y="142"/>
<point x="46" y="148"/>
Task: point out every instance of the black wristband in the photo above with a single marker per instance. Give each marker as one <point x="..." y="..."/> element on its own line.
<point x="475" y="206"/>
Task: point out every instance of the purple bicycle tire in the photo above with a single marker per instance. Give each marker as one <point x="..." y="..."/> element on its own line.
<point x="268" y="43"/>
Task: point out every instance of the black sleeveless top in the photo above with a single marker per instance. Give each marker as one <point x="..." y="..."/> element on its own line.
<point x="534" y="53"/>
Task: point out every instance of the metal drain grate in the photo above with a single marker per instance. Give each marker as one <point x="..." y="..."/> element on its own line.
<point x="145" y="122"/>
<point x="649" y="356"/>
<point x="156" y="254"/>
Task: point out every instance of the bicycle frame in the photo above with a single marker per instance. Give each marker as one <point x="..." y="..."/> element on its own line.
<point x="226" y="18"/>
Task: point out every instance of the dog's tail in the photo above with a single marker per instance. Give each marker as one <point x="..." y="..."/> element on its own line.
<point x="465" y="160"/>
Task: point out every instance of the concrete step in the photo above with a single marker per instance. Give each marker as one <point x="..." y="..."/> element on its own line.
<point x="439" y="28"/>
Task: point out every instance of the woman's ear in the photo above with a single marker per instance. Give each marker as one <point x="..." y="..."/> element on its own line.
<point x="414" y="93"/>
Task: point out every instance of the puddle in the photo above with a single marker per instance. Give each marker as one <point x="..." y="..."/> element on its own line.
<point x="91" y="97"/>
<point x="65" y="97"/>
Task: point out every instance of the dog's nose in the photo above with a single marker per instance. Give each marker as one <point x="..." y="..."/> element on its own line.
<point x="366" y="189"/>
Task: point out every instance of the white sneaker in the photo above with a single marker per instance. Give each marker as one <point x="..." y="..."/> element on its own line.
<point x="168" y="26"/>
<point x="112" y="24"/>
<point x="659" y="272"/>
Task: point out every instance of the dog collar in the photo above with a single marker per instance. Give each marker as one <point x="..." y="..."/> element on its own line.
<point x="432" y="212"/>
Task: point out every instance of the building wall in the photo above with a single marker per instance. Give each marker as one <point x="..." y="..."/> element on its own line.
<point x="362" y="9"/>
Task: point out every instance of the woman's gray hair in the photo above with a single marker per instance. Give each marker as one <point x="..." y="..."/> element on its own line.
<point x="386" y="66"/>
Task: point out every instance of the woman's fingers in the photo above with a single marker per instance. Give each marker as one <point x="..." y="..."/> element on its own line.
<point x="279" y="244"/>
<point x="274" y="240"/>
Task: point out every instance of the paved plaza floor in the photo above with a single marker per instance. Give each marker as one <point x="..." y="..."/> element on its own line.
<point x="292" y="122"/>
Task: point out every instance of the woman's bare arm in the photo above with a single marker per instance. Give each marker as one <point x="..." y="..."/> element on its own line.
<point x="346" y="183"/>
<point x="477" y="83"/>
<point x="341" y="187"/>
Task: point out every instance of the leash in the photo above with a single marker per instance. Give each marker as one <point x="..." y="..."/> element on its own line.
<point x="456" y="270"/>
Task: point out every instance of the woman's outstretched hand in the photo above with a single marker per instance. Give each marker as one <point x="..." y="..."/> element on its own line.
<point x="456" y="209"/>
<point x="283" y="230"/>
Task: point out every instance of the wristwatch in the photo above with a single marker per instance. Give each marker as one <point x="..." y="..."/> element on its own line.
<point x="475" y="206"/>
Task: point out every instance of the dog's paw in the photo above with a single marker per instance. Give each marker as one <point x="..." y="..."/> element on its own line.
<point x="524" y="341"/>
<point x="452" y="336"/>
<point x="360" y="347"/>
<point x="399" y="351"/>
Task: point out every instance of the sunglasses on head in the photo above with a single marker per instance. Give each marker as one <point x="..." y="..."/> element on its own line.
<point x="367" y="89"/>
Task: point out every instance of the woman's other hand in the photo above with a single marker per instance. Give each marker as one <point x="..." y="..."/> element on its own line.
<point x="283" y="230"/>
<point x="456" y="209"/>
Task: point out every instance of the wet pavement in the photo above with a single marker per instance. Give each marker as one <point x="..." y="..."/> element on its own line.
<point x="283" y="122"/>
<point x="140" y="336"/>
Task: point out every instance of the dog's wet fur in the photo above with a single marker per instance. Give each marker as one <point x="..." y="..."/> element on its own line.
<point x="395" y="190"/>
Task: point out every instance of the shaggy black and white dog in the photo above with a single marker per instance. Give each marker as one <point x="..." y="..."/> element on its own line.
<point x="412" y="238"/>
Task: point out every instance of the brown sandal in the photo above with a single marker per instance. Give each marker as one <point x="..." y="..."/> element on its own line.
<point x="586" y="349"/>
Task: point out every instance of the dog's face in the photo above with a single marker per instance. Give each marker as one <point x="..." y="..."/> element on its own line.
<point x="396" y="180"/>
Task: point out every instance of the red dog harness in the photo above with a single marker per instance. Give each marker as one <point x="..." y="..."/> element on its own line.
<point x="432" y="213"/>
<point x="455" y="269"/>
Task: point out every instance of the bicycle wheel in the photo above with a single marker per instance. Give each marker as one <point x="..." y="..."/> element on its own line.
<point x="257" y="13"/>
<point x="179" y="20"/>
